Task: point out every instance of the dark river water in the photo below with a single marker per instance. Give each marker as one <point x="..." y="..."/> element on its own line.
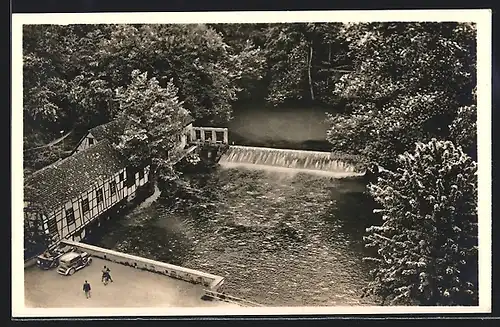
<point x="294" y="128"/>
<point x="279" y="238"/>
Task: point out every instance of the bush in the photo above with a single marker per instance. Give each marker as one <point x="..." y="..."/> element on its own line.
<point x="427" y="243"/>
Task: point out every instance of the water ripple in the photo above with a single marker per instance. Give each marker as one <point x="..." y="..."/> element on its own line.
<point x="278" y="240"/>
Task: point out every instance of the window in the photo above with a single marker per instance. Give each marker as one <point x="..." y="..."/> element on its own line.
<point x="85" y="205"/>
<point x="141" y="173"/>
<point x="52" y="225"/>
<point x="70" y="216"/>
<point x="91" y="141"/>
<point x="122" y="176"/>
<point x="219" y="136"/>
<point x="130" y="177"/>
<point x="112" y="187"/>
<point x="99" y="196"/>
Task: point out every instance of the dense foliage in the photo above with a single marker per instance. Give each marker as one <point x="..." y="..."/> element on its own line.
<point x="408" y="84"/>
<point x="387" y="85"/>
<point x="303" y="61"/>
<point x="71" y="72"/>
<point x="153" y="121"/>
<point x="35" y="241"/>
<point x="427" y="243"/>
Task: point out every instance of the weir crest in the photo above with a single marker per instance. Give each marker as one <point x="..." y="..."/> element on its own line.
<point x="285" y="158"/>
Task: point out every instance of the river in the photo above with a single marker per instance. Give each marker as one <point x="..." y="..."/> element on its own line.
<point x="279" y="237"/>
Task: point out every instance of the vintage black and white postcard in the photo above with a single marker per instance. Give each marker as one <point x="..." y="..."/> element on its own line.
<point x="243" y="163"/>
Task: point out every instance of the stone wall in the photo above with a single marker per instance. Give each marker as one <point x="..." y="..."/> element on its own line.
<point x="212" y="282"/>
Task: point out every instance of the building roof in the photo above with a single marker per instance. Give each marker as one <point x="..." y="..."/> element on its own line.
<point x="108" y="130"/>
<point x="189" y="119"/>
<point x="64" y="180"/>
<point x="69" y="256"/>
<point x="114" y="128"/>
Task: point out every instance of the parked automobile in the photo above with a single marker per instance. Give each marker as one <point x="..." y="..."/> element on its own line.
<point x="50" y="258"/>
<point x="73" y="261"/>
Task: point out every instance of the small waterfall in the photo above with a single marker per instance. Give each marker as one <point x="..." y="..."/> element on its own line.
<point x="296" y="159"/>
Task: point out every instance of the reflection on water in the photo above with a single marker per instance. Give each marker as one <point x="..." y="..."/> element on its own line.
<point x="277" y="238"/>
<point x="289" y="128"/>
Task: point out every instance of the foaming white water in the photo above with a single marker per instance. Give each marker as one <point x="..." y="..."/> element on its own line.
<point x="288" y="161"/>
<point x="288" y="171"/>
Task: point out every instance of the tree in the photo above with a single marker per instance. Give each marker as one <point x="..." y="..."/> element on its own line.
<point x="288" y="55"/>
<point x="193" y="56"/>
<point x="55" y="58"/>
<point x="247" y="56"/>
<point x="408" y="83"/>
<point x="36" y="240"/>
<point x="427" y="243"/>
<point x="463" y="129"/>
<point x="153" y="120"/>
<point x="304" y="61"/>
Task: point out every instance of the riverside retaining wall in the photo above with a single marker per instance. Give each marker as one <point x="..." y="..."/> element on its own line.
<point x="210" y="281"/>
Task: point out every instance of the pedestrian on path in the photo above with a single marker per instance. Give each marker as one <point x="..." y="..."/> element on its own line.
<point x="86" y="289"/>
<point x="104" y="274"/>
<point x="108" y="275"/>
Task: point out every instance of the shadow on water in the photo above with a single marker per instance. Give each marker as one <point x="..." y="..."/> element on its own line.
<point x="311" y="145"/>
<point x="138" y="233"/>
<point x="351" y="211"/>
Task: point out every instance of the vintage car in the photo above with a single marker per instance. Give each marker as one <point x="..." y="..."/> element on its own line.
<point x="73" y="261"/>
<point x="50" y="258"/>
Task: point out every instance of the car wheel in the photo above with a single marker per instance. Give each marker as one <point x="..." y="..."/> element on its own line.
<point x="71" y="271"/>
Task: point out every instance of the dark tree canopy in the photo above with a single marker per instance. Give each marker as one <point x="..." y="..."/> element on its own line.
<point x="153" y="120"/>
<point x="409" y="83"/>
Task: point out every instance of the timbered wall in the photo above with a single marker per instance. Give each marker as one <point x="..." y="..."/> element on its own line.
<point x="68" y="221"/>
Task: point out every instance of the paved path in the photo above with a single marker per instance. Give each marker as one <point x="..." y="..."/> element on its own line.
<point x="131" y="288"/>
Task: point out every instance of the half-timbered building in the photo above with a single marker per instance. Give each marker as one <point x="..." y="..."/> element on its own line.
<point x="71" y="193"/>
<point x="64" y="199"/>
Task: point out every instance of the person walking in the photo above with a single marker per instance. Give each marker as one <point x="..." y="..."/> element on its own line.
<point x="108" y="275"/>
<point x="86" y="289"/>
<point x="103" y="274"/>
